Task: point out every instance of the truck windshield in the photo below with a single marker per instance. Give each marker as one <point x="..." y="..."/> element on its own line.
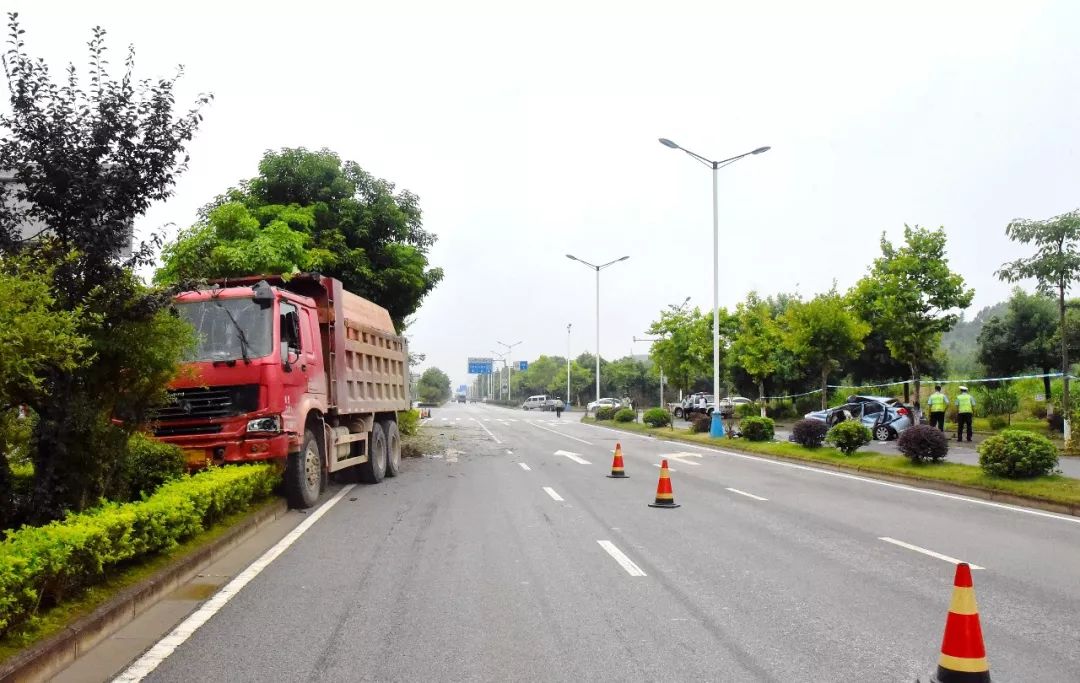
<point x="229" y="329"/>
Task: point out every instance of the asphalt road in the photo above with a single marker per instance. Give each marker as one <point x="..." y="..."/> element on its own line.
<point x="502" y="559"/>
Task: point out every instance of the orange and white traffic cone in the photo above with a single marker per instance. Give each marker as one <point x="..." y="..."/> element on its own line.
<point x="664" y="497"/>
<point x="963" y="656"/>
<point x="617" y="471"/>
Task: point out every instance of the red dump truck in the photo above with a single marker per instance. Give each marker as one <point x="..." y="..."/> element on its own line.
<point x="297" y="371"/>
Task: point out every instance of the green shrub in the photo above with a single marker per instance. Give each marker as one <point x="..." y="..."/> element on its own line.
<point x="408" y="422"/>
<point x="849" y="436"/>
<point x="656" y="417"/>
<point x="807" y="404"/>
<point x="40" y="565"/>
<point x="149" y="464"/>
<point x="625" y="415"/>
<point x="923" y="442"/>
<point x="747" y="410"/>
<point x="700" y="424"/>
<point x="1018" y="454"/>
<point x="1001" y="400"/>
<point x="756" y="428"/>
<point x="605" y="413"/>
<point x="809" y="433"/>
<point x="998" y="422"/>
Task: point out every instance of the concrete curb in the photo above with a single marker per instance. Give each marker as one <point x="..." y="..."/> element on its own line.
<point x="917" y="482"/>
<point x="49" y="657"/>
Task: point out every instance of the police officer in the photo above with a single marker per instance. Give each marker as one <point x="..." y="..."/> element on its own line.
<point x="937" y="403"/>
<point x="965" y="411"/>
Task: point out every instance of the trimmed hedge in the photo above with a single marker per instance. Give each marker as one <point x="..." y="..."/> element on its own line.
<point x="923" y="442"/>
<point x="809" y="433"/>
<point x="1017" y="454"/>
<point x="39" y="566"/>
<point x="849" y="436"/>
<point x="700" y="424"/>
<point x="605" y="413"/>
<point x="656" y="417"/>
<point x="756" y="428"/>
<point x="625" y="415"/>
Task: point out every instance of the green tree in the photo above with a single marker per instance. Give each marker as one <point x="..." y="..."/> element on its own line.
<point x="1024" y="337"/>
<point x="434" y="386"/>
<point x="89" y="159"/>
<point x="910" y="294"/>
<point x="684" y="348"/>
<point x="312" y="211"/>
<point x="823" y="333"/>
<point x="758" y="343"/>
<point x="1054" y="266"/>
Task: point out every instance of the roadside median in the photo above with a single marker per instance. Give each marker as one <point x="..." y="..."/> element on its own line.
<point x="1054" y="493"/>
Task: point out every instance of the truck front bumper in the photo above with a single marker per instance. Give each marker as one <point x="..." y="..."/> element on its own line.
<point x="221" y="449"/>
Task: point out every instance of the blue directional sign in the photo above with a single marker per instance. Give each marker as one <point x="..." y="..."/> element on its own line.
<point x="523" y="365"/>
<point x="481" y="366"/>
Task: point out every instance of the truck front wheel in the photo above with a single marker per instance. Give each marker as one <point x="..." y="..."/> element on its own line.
<point x="373" y="471"/>
<point x="303" y="474"/>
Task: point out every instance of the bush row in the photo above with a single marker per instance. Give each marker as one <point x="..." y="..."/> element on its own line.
<point x="657" y="417"/>
<point x="40" y="565"/>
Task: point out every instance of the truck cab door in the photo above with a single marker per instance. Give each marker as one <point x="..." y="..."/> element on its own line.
<point x="310" y="353"/>
<point x="294" y="375"/>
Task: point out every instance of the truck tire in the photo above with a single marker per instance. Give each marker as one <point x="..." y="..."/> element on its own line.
<point x="303" y="474"/>
<point x="393" y="448"/>
<point x="373" y="471"/>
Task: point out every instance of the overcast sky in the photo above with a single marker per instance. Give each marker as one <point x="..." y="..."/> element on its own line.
<point x="532" y="134"/>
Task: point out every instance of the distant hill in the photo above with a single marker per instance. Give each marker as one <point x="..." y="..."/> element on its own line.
<point x="961" y="343"/>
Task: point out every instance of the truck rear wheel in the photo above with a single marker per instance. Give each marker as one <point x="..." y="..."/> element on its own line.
<point x="393" y="448"/>
<point x="303" y="474"/>
<point x="373" y="471"/>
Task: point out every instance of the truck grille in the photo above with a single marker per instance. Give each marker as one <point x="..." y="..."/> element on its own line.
<point x="188" y="430"/>
<point x="208" y="402"/>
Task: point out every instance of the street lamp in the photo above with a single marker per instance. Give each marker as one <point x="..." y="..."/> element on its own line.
<point x="498" y="356"/>
<point x="597" y="269"/>
<point x="510" y="372"/>
<point x="568" y="365"/>
<point x="717" y="427"/>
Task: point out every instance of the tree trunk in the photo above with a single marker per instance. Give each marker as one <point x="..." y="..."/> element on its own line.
<point x="824" y="387"/>
<point x="907" y="393"/>
<point x="1046" y="389"/>
<point x="917" y="381"/>
<point x="761" y="395"/>
<point x="1066" y="412"/>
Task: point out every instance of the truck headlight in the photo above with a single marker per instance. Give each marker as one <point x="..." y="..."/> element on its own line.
<point x="265" y="424"/>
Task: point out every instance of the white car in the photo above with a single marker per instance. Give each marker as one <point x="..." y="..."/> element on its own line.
<point x="604" y="403"/>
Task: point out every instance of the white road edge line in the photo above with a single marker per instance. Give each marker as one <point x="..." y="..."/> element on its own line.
<point x="157" y="654"/>
<point x="876" y="482"/>
<point x="924" y="551"/>
<point x="624" y="561"/>
<point x="525" y="467"/>
<point x="744" y="493"/>
<point x="553" y="431"/>
<point x="554" y="496"/>
<point x="484" y="427"/>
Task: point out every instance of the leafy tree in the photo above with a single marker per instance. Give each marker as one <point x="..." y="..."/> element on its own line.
<point x="629" y="377"/>
<point x="1024" y="337"/>
<point x="1054" y="266"/>
<point x="312" y="211"/>
<point x="909" y="293"/>
<point x="757" y="345"/>
<point x="434" y="386"/>
<point x="89" y="158"/>
<point x="684" y="349"/>
<point x="823" y="333"/>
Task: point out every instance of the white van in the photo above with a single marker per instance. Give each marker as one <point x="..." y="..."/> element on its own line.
<point x="535" y="403"/>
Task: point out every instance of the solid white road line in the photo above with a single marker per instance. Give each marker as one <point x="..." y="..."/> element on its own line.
<point x="548" y="429"/>
<point x="574" y="456"/>
<point x="924" y="551"/>
<point x="482" y="426"/>
<point x="853" y="477"/>
<point x="624" y="561"/>
<point x="551" y="492"/>
<point x="525" y="467"/>
<point x="744" y="493"/>
<point x="153" y="657"/>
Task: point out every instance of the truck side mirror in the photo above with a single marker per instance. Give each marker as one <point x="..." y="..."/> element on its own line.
<point x="284" y="348"/>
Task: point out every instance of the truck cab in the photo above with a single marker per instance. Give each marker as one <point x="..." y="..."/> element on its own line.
<point x="302" y="373"/>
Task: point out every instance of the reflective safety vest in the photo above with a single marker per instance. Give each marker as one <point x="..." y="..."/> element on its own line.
<point x="937" y="402"/>
<point x="964" y="404"/>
